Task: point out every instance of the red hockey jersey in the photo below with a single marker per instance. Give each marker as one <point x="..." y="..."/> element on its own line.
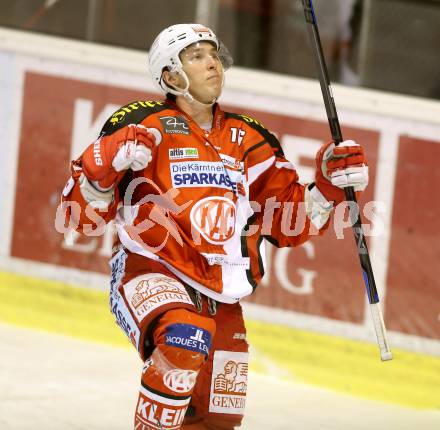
<point x="207" y="200"/>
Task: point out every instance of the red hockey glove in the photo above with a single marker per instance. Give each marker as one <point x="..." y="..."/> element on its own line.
<point x="341" y="166"/>
<point x="105" y="161"/>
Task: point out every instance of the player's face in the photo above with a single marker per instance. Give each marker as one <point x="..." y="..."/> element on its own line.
<point x="204" y="70"/>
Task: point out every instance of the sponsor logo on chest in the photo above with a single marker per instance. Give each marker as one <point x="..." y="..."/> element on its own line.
<point x="231" y="162"/>
<point x="200" y="174"/>
<point x="175" y="125"/>
<point x="179" y="153"/>
<point x="214" y="218"/>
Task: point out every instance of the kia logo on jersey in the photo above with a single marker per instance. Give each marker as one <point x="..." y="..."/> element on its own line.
<point x="214" y="219"/>
<point x="180" y="380"/>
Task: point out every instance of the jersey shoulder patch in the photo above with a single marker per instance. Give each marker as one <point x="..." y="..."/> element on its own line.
<point x="257" y="125"/>
<point x="261" y="129"/>
<point x="133" y="113"/>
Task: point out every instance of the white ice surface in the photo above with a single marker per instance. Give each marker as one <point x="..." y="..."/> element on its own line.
<point x="51" y="382"/>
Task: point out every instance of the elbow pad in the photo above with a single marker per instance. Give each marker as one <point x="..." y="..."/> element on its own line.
<point x="99" y="199"/>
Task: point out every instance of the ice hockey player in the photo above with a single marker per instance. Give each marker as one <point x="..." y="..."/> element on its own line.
<point x="193" y="191"/>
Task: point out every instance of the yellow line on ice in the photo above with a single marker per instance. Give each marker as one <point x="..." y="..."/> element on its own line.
<point x="352" y="367"/>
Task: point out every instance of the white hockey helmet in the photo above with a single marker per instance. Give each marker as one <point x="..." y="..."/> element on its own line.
<point x="165" y="50"/>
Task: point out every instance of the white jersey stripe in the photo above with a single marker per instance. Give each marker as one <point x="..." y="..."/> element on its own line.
<point x="255" y="171"/>
<point x="163" y="400"/>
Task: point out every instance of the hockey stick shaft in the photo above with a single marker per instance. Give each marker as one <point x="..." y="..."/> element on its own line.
<point x="332" y="115"/>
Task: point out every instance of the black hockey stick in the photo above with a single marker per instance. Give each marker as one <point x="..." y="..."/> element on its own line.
<point x="332" y="115"/>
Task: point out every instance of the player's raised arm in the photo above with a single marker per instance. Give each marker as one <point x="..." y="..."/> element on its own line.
<point x="291" y="211"/>
<point x="98" y="171"/>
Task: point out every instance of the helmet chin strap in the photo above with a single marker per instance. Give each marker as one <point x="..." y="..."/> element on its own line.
<point x="192" y="99"/>
<point x="185" y="91"/>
